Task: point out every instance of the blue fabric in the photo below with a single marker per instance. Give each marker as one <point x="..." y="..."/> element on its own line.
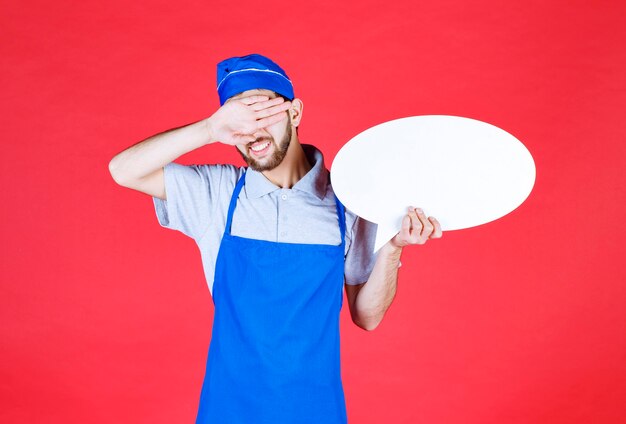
<point x="238" y="74"/>
<point x="274" y="355"/>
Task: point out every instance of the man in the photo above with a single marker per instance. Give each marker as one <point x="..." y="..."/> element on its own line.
<point x="277" y="248"/>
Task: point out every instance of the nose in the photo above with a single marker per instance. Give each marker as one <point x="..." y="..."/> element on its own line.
<point x="261" y="134"/>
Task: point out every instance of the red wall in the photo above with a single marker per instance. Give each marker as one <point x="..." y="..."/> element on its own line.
<point x="105" y="316"/>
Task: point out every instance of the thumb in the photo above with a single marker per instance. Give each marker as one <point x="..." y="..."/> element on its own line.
<point x="406" y="224"/>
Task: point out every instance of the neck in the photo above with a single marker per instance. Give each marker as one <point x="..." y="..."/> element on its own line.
<point x="294" y="166"/>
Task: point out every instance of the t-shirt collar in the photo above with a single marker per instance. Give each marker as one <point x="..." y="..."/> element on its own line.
<point x="314" y="182"/>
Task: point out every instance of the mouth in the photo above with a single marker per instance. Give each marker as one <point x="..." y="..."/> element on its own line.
<point x="259" y="148"/>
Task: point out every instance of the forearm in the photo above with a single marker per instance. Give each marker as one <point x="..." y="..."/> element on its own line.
<point x="375" y="297"/>
<point x="155" y="152"/>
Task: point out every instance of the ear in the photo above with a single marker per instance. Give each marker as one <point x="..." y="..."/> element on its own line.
<point x="295" y="113"/>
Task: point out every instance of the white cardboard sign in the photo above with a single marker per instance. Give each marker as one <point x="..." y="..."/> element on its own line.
<point x="459" y="170"/>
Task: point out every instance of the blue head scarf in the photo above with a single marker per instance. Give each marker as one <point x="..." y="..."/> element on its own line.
<point x="238" y="74"/>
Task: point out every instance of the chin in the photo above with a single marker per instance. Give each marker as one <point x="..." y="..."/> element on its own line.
<point x="260" y="167"/>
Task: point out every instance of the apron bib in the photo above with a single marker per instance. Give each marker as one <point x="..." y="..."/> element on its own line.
<point x="274" y="355"/>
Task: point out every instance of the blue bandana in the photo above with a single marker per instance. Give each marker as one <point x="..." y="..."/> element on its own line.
<point x="238" y="74"/>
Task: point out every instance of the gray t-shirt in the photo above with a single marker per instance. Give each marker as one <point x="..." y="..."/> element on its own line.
<point x="197" y="205"/>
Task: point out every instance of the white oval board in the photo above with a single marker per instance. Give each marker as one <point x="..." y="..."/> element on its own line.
<point x="459" y="170"/>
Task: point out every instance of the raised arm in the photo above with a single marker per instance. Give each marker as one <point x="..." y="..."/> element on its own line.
<point x="140" y="167"/>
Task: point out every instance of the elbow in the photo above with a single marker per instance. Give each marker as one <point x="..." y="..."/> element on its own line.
<point x="368" y="324"/>
<point x="370" y="327"/>
<point x="115" y="173"/>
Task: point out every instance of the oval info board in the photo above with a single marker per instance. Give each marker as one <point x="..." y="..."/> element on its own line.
<point x="461" y="171"/>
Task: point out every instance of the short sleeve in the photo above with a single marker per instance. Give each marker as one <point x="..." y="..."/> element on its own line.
<point x="191" y="192"/>
<point x="360" y="257"/>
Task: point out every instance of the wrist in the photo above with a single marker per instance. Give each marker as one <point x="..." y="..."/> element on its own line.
<point x="391" y="249"/>
<point x="208" y="131"/>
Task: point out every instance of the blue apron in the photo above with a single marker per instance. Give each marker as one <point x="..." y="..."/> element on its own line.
<point x="274" y="351"/>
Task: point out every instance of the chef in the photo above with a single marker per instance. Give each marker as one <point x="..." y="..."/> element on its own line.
<point x="277" y="249"/>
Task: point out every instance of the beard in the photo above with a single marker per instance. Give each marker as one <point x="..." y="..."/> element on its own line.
<point x="280" y="151"/>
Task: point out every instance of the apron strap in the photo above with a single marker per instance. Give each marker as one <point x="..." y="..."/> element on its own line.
<point x="341" y="212"/>
<point x="233" y="200"/>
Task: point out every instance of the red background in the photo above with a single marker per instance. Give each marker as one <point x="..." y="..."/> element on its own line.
<point x="105" y="316"/>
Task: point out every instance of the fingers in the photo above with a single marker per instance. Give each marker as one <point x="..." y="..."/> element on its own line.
<point x="423" y="228"/>
<point x="269" y="111"/>
<point x="253" y="99"/>
<point x="416" y="226"/>
<point x="427" y="226"/>
<point x="270" y="120"/>
<point x="264" y="104"/>
<point x="437" y="233"/>
<point x="272" y="114"/>
<point x="266" y="111"/>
